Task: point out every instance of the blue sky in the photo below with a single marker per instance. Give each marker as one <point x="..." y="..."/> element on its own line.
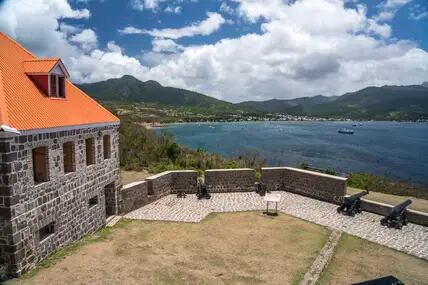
<point x="234" y="50"/>
<point x="122" y="14"/>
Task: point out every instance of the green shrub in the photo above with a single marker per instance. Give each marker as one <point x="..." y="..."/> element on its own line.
<point x="383" y="185"/>
<point x="331" y="172"/>
<point x="304" y="165"/>
<point x="141" y="148"/>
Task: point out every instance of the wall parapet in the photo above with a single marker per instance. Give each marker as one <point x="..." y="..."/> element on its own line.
<point x="230" y="180"/>
<point x="413" y="216"/>
<point x="133" y="196"/>
<point x="137" y="194"/>
<point x="316" y="185"/>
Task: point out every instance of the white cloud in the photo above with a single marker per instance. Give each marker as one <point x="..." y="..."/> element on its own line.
<point x="103" y="64"/>
<point x="224" y="7"/>
<point x="86" y="1"/>
<point x="392" y="4"/>
<point x="145" y="4"/>
<point x="388" y="9"/>
<point x="69" y="29"/>
<point x="36" y="25"/>
<point x="419" y="16"/>
<point x="166" y="45"/>
<point x="418" y="12"/>
<point x="304" y="48"/>
<point x="212" y="23"/>
<point x="87" y="39"/>
<point x="174" y="10"/>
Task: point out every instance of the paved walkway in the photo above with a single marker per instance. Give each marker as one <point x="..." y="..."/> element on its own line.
<point x="412" y="239"/>
<point x="311" y="277"/>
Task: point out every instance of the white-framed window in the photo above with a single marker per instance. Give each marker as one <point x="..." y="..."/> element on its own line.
<point x="57" y="86"/>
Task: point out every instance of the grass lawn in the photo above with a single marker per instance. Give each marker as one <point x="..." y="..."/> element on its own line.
<point x="417" y="204"/>
<point x="127" y="177"/>
<point x="356" y="260"/>
<point x="232" y="248"/>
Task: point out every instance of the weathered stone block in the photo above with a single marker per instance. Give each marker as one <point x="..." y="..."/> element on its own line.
<point x="133" y="196"/>
<point x="26" y="206"/>
<point x="230" y="180"/>
<point x="312" y="184"/>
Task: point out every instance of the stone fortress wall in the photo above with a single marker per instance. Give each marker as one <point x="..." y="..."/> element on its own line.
<point x="315" y="185"/>
<point x="230" y="180"/>
<point x="63" y="201"/>
<point x="62" y="209"/>
<point x="138" y="194"/>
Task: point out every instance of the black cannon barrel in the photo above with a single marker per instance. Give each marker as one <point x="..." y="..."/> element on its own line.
<point x="357" y="195"/>
<point x="400" y="207"/>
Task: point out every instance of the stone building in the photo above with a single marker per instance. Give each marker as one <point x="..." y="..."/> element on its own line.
<point x="59" y="159"/>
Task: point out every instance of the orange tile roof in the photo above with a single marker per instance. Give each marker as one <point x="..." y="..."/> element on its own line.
<point x="24" y="106"/>
<point x="43" y="65"/>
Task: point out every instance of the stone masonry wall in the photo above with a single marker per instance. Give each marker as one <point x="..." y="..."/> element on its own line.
<point x="140" y="193"/>
<point x="5" y="230"/>
<point x="312" y="184"/>
<point x="133" y="196"/>
<point x="159" y="185"/>
<point x="415" y="217"/>
<point x="184" y="180"/>
<point x="111" y="198"/>
<point x="63" y="200"/>
<point x="230" y="180"/>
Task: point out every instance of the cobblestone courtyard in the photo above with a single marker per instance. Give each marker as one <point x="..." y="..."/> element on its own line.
<point x="412" y="239"/>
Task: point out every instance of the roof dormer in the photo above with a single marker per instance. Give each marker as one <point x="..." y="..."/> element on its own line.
<point x="49" y="74"/>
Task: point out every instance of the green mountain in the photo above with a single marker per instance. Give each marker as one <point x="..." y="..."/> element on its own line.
<point x="131" y="90"/>
<point x="128" y="94"/>
<point x="378" y="103"/>
<point x="296" y="106"/>
<point x="387" y="102"/>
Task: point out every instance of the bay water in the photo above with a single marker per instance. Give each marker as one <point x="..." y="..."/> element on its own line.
<point x="392" y="149"/>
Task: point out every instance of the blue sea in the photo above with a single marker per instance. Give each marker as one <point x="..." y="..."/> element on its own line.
<point x="395" y="150"/>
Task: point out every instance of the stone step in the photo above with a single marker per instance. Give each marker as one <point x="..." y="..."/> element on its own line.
<point x="112" y="220"/>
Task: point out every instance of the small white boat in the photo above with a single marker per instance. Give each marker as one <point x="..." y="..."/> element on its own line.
<point x="346" y="131"/>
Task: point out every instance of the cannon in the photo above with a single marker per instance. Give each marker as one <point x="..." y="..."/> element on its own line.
<point x="351" y="205"/>
<point x="261" y="188"/>
<point x="387" y="280"/>
<point x="397" y="218"/>
<point x="202" y="192"/>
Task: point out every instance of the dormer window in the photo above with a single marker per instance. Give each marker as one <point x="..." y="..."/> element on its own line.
<point x="49" y="75"/>
<point x="54" y="87"/>
<point x="57" y="86"/>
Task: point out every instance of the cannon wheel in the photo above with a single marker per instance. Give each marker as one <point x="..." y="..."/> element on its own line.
<point x="397" y="225"/>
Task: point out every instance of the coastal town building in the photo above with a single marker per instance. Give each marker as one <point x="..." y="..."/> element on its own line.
<point x="59" y="159"/>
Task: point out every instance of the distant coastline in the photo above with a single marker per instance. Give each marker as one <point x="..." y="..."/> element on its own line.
<point x="396" y="150"/>
<point x="150" y="125"/>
